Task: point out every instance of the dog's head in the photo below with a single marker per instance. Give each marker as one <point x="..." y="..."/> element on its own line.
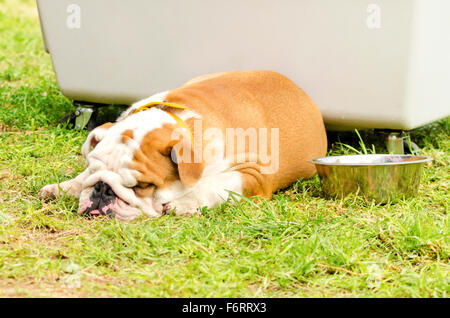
<point x="132" y="169"/>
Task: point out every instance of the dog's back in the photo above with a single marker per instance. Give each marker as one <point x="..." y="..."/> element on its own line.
<point x="261" y="99"/>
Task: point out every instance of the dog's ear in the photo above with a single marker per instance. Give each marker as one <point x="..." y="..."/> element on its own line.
<point x="190" y="165"/>
<point x="94" y="138"/>
<point x="190" y="173"/>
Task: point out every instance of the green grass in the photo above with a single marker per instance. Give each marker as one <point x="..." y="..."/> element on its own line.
<point x="299" y="244"/>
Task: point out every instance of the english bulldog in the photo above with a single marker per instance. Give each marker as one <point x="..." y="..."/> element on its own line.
<point x="235" y="134"/>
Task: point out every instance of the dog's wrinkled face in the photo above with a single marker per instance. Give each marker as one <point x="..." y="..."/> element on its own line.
<point x="130" y="168"/>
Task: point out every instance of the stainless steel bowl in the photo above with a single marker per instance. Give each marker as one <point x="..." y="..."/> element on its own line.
<point x="381" y="178"/>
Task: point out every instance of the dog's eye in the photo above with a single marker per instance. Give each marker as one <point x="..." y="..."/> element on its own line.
<point x="144" y="189"/>
<point x="143" y="185"/>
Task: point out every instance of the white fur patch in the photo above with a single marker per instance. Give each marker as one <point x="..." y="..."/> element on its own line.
<point x="211" y="190"/>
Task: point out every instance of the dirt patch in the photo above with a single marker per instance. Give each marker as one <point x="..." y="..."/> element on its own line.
<point x="58" y="286"/>
<point x="49" y="287"/>
<point x="6" y="128"/>
<point x="4" y="174"/>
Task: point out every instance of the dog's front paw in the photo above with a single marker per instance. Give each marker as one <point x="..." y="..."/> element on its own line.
<point x="182" y="208"/>
<point x="50" y="191"/>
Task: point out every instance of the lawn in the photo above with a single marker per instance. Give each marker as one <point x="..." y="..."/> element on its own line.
<point x="299" y="244"/>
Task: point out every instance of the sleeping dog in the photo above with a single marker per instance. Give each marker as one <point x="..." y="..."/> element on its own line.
<point x="243" y="133"/>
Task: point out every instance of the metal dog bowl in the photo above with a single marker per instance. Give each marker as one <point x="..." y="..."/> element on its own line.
<point x="381" y="178"/>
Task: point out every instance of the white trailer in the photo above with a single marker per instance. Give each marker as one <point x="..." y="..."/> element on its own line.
<point x="366" y="63"/>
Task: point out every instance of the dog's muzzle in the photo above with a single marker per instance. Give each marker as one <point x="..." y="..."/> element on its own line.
<point x="102" y="200"/>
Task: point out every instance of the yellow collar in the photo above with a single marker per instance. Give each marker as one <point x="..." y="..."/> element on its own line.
<point x="180" y="121"/>
<point x="152" y="104"/>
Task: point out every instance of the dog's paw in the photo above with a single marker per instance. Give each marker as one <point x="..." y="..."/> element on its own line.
<point x="50" y="191"/>
<point x="181" y="208"/>
<point x="188" y="212"/>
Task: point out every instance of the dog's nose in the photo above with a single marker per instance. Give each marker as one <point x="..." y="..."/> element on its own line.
<point x="103" y="190"/>
<point x="102" y="199"/>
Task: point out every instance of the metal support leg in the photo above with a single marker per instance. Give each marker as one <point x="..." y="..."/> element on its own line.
<point x="395" y="142"/>
<point x="85" y="116"/>
<point x="399" y="143"/>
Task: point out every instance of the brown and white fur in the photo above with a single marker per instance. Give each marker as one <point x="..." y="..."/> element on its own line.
<point x="133" y="155"/>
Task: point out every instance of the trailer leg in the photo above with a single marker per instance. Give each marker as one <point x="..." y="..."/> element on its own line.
<point x="85" y="115"/>
<point x="399" y="142"/>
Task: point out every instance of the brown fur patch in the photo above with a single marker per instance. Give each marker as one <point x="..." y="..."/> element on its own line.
<point x="241" y="99"/>
<point x="153" y="160"/>
<point x="127" y="135"/>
